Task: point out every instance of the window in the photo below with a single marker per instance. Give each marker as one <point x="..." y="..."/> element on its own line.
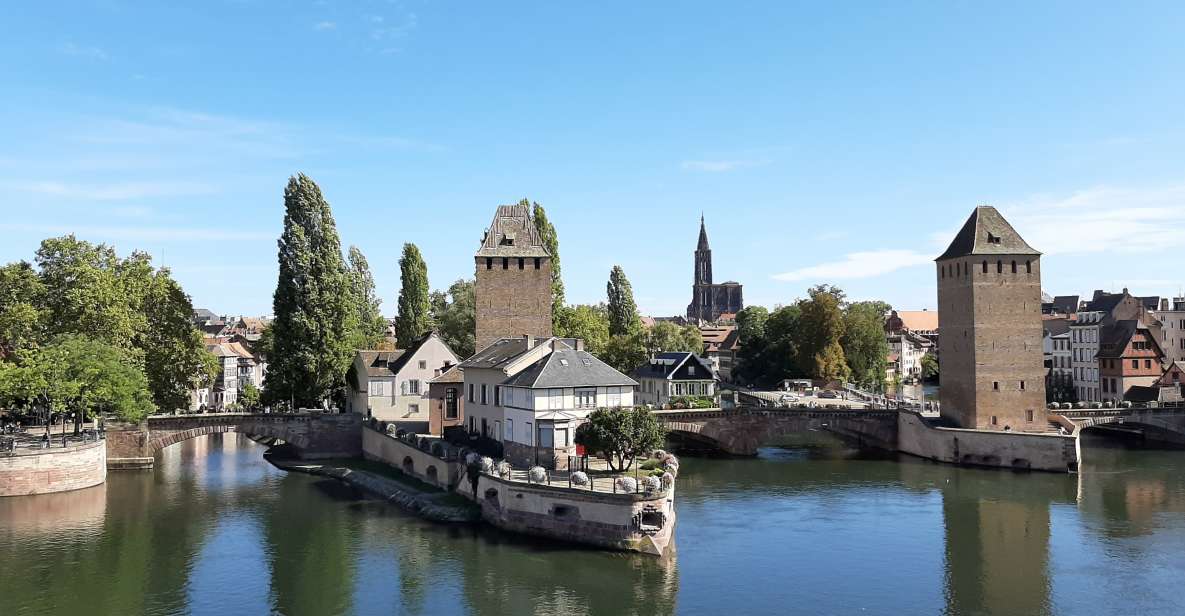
<point x="450" y="403"/>
<point x="1014" y="267"/>
<point x="996" y="385"/>
<point x="586" y="398"/>
<point x="497" y="395"/>
<point x="678" y="389"/>
<point x="614" y="398"/>
<point x="413" y="386"/>
<point x="505" y="263"/>
<point x="1029" y="270"/>
<point x="993" y="420"/>
<point x="489" y="263"/>
<point x="985" y="266"/>
<point x="528" y="433"/>
<point x="546" y="439"/>
<point x="521" y="261"/>
<point x="992" y="239"/>
<point x="556" y="398"/>
<point x="1022" y="385"/>
<point x="483" y="394"/>
<point x="1135" y="364"/>
<point x="471" y="399"/>
<point x="376" y="388"/>
<point x="413" y="409"/>
<point x="537" y="259"/>
<point x="472" y="424"/>
<point x="999" y="267"/>
<point x="691" y="370"/>
<point x="1029" y="415"/>
<point x="423" y="364"/>
<point x="1147" y="364"/>
<point x="510" y="429"/>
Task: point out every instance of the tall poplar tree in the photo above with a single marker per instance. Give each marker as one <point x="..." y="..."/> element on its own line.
<point x="415" y="305"/>
<point x="370" y="326"/>
<point x="623" y="312"/>
<point x="551" y="242"/>
<point x="311" y="332"/>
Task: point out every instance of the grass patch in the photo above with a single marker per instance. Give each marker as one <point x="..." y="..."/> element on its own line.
<point x="649" y="464"/>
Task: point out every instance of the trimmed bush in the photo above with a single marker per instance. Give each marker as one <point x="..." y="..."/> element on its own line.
<point x="579" y="478"/>
<point x="627" y="484"/>
<point x="537" y="474"/>
<point x="651" y="484"/>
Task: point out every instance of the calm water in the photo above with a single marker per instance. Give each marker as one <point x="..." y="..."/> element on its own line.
<point x="806" y="528"/>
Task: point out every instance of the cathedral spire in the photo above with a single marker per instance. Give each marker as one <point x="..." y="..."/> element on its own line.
<point x="703" y="234"/>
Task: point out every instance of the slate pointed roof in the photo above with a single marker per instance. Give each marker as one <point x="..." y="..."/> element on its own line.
<point x="512" y="234"/>
<point x="703" y="235"/>
<point x="987" y="233"/>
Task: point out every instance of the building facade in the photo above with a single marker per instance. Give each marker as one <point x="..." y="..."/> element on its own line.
<point x="447" y="400"/>
<point x="532" y="394"/>
<point x="1171" y="314"/>
<point x="1129" y="355"/>
<point x="909" y="349"/>
<point x="989" y="296"/>
<point x="513" y="279"/>
<point x="667" y="376"/>
<point x="721" y="344"/>
<point x="1086" y="329"/>
<point x="709" y="300"/>
<point x="394" y="385"/>
<point x="1059" y="384"/>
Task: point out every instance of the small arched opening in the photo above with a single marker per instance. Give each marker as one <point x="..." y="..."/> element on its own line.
<point x="409" y="466"/>
<point x="431" y="473"/>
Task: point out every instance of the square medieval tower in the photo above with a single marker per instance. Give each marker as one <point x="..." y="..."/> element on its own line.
<point x="989" y="329"/>
<point x="513" y="289"/>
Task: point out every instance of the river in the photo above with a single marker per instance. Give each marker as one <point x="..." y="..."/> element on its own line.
<point x="805" y="528"/>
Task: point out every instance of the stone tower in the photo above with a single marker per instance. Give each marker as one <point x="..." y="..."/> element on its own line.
<point x="989" y="330"/>
<point x="709" y="300"/>
<point x="513" y="289"/>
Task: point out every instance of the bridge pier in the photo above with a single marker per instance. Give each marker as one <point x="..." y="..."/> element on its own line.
<point x="313" y="435"/>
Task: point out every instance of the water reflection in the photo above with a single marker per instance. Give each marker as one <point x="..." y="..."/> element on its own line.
<point x="808" y="528"/>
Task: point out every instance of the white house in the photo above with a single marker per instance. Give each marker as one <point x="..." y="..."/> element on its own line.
<point x="909" y="348"/>
<point x="531" y="394"/>
<point x="393" y="385"/>
<point x="674" y="375"/>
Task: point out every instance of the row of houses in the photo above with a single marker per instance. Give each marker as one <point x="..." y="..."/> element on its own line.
<point x="1114" y="347"/>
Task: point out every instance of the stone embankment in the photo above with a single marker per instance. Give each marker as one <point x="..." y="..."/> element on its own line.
<point x="428" y="505"/>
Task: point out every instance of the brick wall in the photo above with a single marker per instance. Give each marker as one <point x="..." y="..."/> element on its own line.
<point x="54" y="470"/>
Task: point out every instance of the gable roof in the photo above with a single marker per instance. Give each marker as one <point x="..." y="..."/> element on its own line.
<point x="452" y="375"/>
<point x="666" y="365"/>
<point x="987" y="233"/>
<point x="719" y="338"/>
<point x="1056" y="327"/>
<point x="512" y="234"/>
<point x="566" y="367"/>
<point x="1114" y="338"/>
<point x="389" y="363"/>
<point x="1065" y="303"/>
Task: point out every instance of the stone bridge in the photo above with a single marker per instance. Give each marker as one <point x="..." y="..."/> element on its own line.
<point x="1161" y="424"/>
<point x="314" y="435"/>
<point x="740" y="431"/>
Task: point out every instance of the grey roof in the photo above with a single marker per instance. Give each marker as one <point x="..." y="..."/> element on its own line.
<point x="1066" y="303"/>
<point x="204" y="314"/>
<point x="664" y="365"/>
<point x="512" y="234"/>
<point x="987" y="233"/>
<point x="453" y="375"/>
<point x="1056" y="327"/>
<point x="1102" y="301"/>
<point x="499" y="353"/>
<point x="1151" y="302"/>
<point x="383" y="363"/>
<point x="569" y="368"/>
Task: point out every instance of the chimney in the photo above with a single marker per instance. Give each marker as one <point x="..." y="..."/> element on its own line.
<point x="579" y="344"/>
<point x="530" y="341"/>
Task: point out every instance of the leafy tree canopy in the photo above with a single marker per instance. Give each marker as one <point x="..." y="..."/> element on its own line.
<point x="454" y="312"/>
<point x="551" y="242"/>
<point x="623" y="311"/>
<point x="415" y="305"/>
<point x="589" y="323"/>
<point x="620" y="435"/>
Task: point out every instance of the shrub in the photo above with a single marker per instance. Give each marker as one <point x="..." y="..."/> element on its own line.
<point x="651" y="484"/>
<point x="537" y="474"/>
<point x="668" y="480"/>
<point x="487" y="464"/>
<point x="580" y="478"/>
<point x="627" y="484"/>
<point x="504" y="469"/>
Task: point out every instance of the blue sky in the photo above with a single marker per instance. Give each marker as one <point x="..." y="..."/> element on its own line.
<point x="832" y="142"/>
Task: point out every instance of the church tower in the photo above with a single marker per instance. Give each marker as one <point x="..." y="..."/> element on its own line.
<point x="710" y="300"/>
<point x="989" y="329"/>
<point x="513" y="273"/>
<point x="703" y="256"/>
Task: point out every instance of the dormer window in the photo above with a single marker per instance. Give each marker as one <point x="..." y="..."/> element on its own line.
<point x="508" y="239"/>
<point x="993" y="239"/>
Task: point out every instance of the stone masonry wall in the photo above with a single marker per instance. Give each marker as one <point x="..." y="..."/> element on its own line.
<point x="54" y="470"/>
<point x="1039" y="452"/>
<point x="512" y="302"/>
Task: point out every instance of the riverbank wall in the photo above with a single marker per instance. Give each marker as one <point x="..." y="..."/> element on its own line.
<point x="640" y="522"/>
<point x="987" y="448"/>
<point x="45" y="471"/>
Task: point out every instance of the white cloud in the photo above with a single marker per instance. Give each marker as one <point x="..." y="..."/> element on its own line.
<point x="80" y="51"/>
<point x="718" y="166"/>
<point x="325" y="25"/>
<point x="858" y="265"/>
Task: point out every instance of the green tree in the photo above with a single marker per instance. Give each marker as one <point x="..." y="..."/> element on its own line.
<point x="80" y="375"/>
<point x="551" y="242"/>
<point x="820" y="328"/>
<point x="175" y="356"/>
<point x="930" y="366"/>
<point x="620" y="435"/>
<point x="623" y="312"/>
<point x="665" y="336"/>
<point x="22" y="320"/>
<point x="415" y="306"/>
<point x="455" y="313"/>
<point x="310" y="348"/>
<point x="249" y="397"/>
<point x="89" y="291"/>
<point x="864" y="343"/>
<point x="625" y="353"/>
<point x="589" y="323"/>
<point x="370" y="326"/>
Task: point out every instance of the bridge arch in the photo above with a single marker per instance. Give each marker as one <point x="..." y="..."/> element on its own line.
<point x="742" y="431"/>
